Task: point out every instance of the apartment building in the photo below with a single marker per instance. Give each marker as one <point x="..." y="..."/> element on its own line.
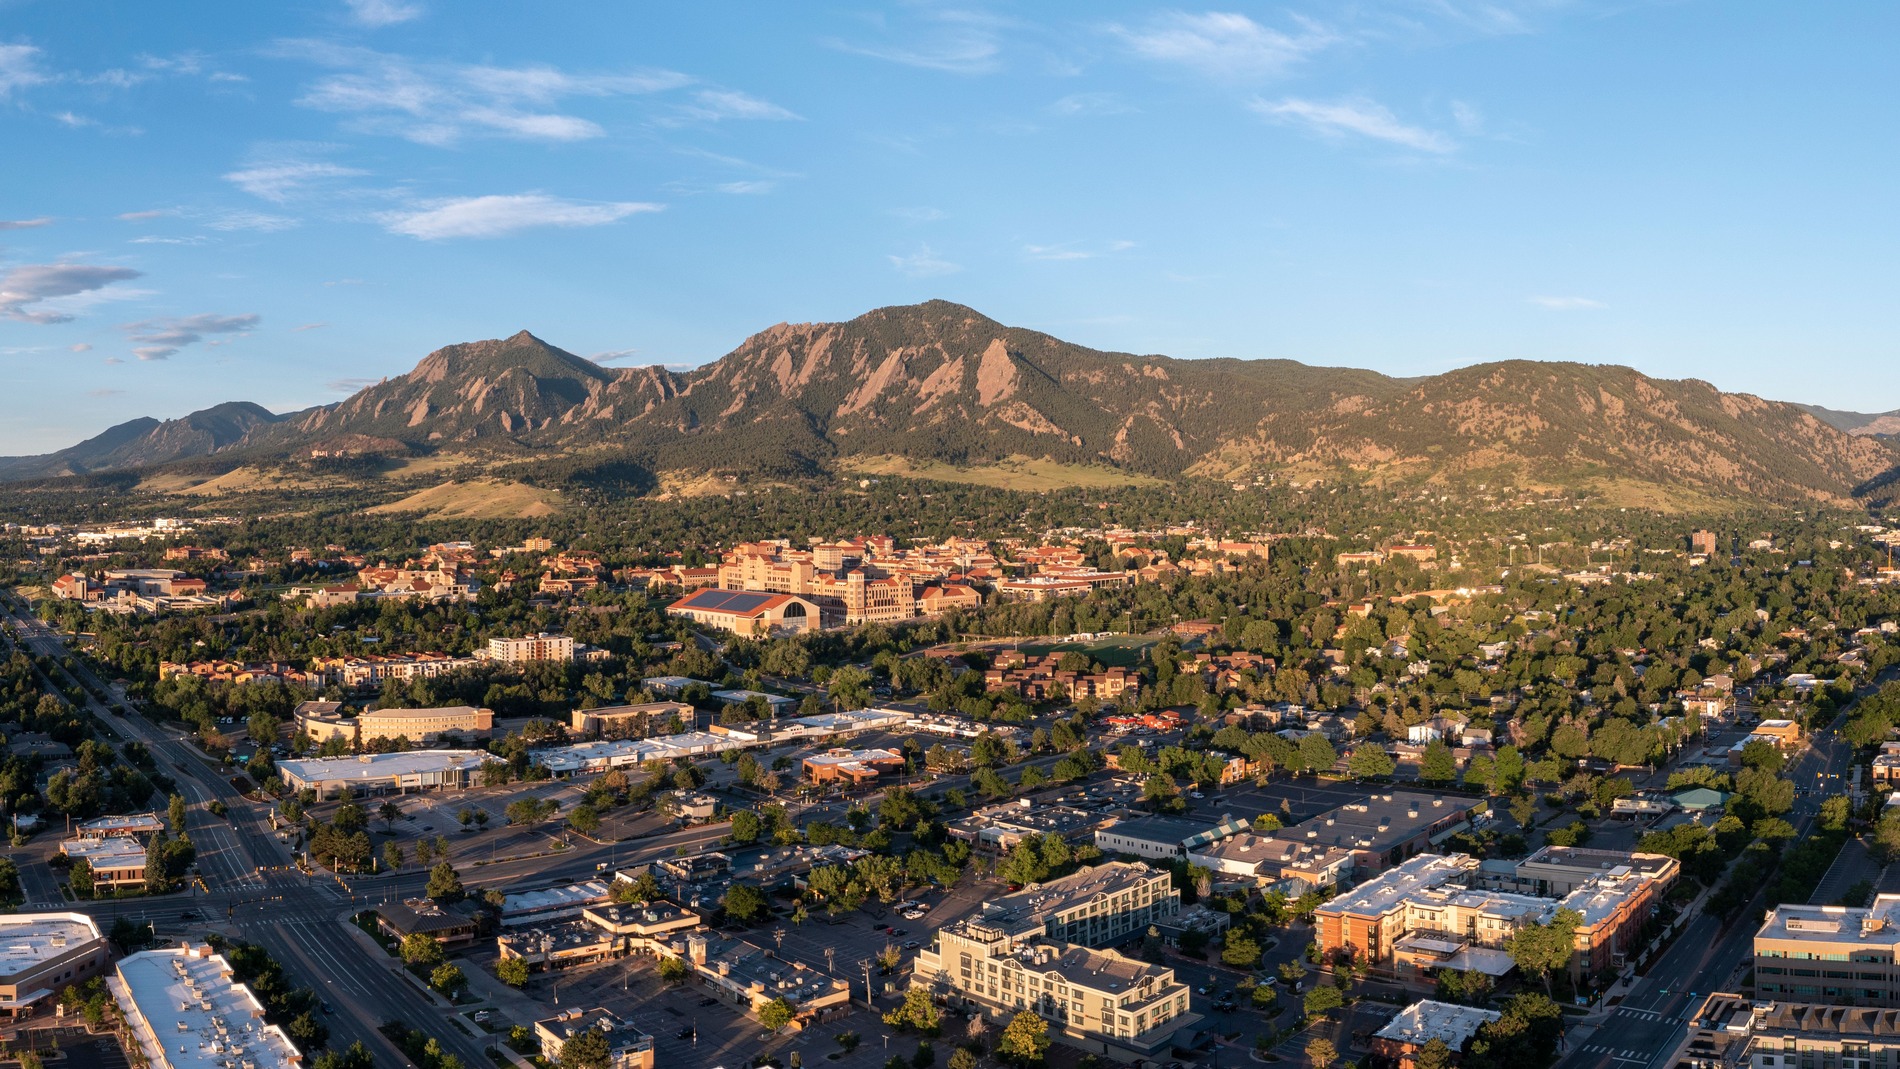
<point x="532" y="648"/>
<point x="1097" y="1000"/>
<point x="370" y="673"/>
<point x="1728" y="1031"/>
<point x="1831" y="953"/>
<point x="1096" y="906"/>
<point x="1431" y="912"/>
<point x="324" y="721"/>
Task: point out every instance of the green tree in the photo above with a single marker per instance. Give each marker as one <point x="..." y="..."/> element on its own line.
<point x="421" y="948"/>
<point x="448" y="979"/>
<point x="390" y="813"/>
<point x="175" y="811"/>
<point x="445" y="884"/>
<point x="1370" y="762"/>
<point x="392" y="855"/>
<point x="587" y="1049"/>
<point x="776" y="1014"/>
<point x="511" y="971"/>
<point x="1541" y="949"/>
<point x="745" y="826"/>
<point x="1025" y="1039"/>
<point x="1435" y="1054"/>
<point x="1437" y="765"/>
<point x="746" y="904"/>
<point x="1323" y="999"/>
<point x="584" y="818"/>
<point x="917" y="1014"/>
<point x="80" y="877"/>
<point x="672" y="970"/>
<point x="1240" y="951"/>
<point x="1316" y="753"/>
<point x="1320" y="1053"/>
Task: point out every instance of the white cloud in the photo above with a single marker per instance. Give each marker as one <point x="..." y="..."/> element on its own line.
<point x="1363" y="118"/>
<point x="1070" y="251"/>
<point x="924" y="263"/>
<point x="1090" y="104"/>
<point x="79" y="347"/>
<point x="442" y="103"/>
<point x="957" y="42"/>
<point x="497" y="216"/>
<point x="140" y="217"/>
<point x="1469" y="119"/>
<point x="713" y="105"/>
<point x="153" y="239"/>
<point x="1568" y="304"/>
<point x="613" y="356"/>
<point x="350" y="385"/>
<point x="245" y="220"/>
<point x="30" y="284"/>
<point x="1222" y="44"/>
<point x="19" y="68"/>
<point x="161" y="338"/>
<point x="309" y="326"/>
<point x="280" y="180"/>
<point x="25" y="224"/>
<point x="743" y="188"/>
<point x="376" y="13"/>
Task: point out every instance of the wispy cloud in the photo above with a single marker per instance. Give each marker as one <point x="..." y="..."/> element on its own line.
<point x="309" y="326"/>
<point x="442" y="103"/>
<point x="924" y="263"/>
<point x="1222" y="44"/>
<point x="79" y="347"/>
<point x="1568" y="304"/>
<point x="19" y="69"/>
<point x="161" y="338"/>
<point x="1074" y="250"/>
<point x="25" y="224"/>
<point x="154" y="239"/>
<point x="1090" y="104"/>
<point x="140" y="217"/>
<point x="263" y="222"/>
<point x="378" y="13"/>
<point x="24" y="287"/>
<point x="104" y="391"/>
<point x="349" y="385"/>
<point x="715" y="105"/>
<point x="498" y="216"/>
<point x="279" y="173"/>
<point x="747" y="188"/>
<point x="958" y="42"/>
<point x="1357" y="117"/>
<point x="614" y="356"/>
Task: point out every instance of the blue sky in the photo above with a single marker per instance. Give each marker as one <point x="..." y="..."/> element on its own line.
<point x="281" y="202"/>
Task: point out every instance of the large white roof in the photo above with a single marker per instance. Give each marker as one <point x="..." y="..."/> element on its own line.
<point x="187" y="1013"/>
<point x="30" y="939"/>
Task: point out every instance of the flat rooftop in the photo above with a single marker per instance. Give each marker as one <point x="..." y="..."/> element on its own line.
<point x="1382" y="821"/>
<point x="128" y="823"/>
<point x="114" y="851"/>
<point x="1424" y="1021"/>
<point x="1175" y="830"/>
<point x="1412" y="878"/>
<point x="1043" y="900"/>
<point x="187" y="1013"/>
<point x="1877" y="924"/>
<point x="28" y="940"/>
<point x="381" y="766"/>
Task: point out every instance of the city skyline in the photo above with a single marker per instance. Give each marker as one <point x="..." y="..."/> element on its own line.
<point x="282" y="206"/>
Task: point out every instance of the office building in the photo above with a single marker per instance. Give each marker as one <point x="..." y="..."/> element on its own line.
<point x="1831" y="953"/>
<point x="412" y="770"/>
<point x="43" y="952"/>
<point x="627" y="1047"/>
<point x="1399" y="1042"/>
<point x="323" y="721"/>
<point x="1164" y="838"/>
<point x="1095" y="906"/>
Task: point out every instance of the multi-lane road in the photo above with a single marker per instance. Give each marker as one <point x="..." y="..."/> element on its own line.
<point x="1649" y="1023"/>
<point x="251" y="886"/>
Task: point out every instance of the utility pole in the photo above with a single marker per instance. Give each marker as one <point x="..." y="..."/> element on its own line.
<point x="867" y="983"/>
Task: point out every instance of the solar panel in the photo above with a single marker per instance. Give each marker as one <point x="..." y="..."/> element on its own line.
<point x="732" y="601"/>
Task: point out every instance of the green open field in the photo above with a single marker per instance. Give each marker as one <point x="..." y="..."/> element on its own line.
<point x="1119" y="651"/>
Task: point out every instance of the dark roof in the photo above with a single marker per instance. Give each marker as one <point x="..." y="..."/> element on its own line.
<point x="736" y="602"/>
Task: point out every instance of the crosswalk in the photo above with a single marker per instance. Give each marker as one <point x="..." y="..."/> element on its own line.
<point x="1639" y="1057"/>
<point x="1641" y="1015"/>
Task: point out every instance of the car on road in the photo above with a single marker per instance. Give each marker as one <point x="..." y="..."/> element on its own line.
<point x="1271" y="981"/>
<point x="327" y="1008"/>
<point x="880" y="927"/>
<point x="912" y="945"/>
<point x="709" y="1002"/>
<point x="685" y="1033"/>
<point x="898" y="933"/>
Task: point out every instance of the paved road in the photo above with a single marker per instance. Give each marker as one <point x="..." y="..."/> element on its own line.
<point x="1649" y="1023"/>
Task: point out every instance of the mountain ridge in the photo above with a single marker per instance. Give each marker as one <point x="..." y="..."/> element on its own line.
<point x="941" y="382"/>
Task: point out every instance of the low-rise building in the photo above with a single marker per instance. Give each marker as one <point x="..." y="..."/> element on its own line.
<point x="627" y="1046"/>
<point x="747" y="612"/>
<point x="324" y="721"/>
<point x="1728" y="1031"/>
<point x="855" y="767"/>
<point x="557" y="945"/>
<point x="749" y="976"/>
<point x="186" y="1010"/>
<point x="1164" y="838"/>
<point x="448" y="925"/>
<point x="117" y="861"/>
<point x="1286" y="862"/>
<point x="1386" y="828"/>
<point x="135" y="825"/>
<point x="41" y="953"/>
<point x="624" y="721"/>
<point x="1399" y="1042"/>
<point x="412" y="770"/>
<point x="998" y="828"/>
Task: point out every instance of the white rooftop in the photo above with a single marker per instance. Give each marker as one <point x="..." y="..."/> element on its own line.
<point x="30" y="939"/>
<point x="187" y="1013"/>
<point x="1424" y="1021"/>
<point x="114" y="851"/>
<point x="381" y="766"/>
<point x="132" y="822"/>
<point x="527" y="904"/>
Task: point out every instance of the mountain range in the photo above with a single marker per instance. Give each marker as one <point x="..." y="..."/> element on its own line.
<point x="940" y="382"/>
